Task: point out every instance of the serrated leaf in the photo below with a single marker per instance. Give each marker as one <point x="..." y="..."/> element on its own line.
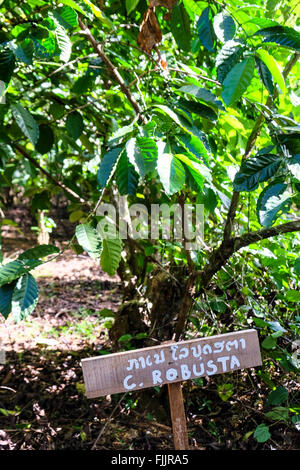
<point x="256" y="170"/>
<point x="228" y="57"/>
<point x="142" y="153"/>
<point x="38" y="252"/>
<point x="108" y="165"/>
<point x="237" y="81"/>
<point x="171" y="173"/>
<point x="262" y="433"/>
<point x="74" y="124"/>
<point x="273" y="201"/>
<point x="24" y="297"/>
<point x="127" y="178"/>
<point x="281" y="35"/>
<point x="224" y="26"/>
<point x="273" y="68"/>
<point x="26" y="122"/>
<point x="206" y="30"/>
<point x="180" y="27"/>
<point x="89" y="238"/>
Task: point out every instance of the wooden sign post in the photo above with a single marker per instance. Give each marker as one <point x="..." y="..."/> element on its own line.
<point x="171" y="364"/>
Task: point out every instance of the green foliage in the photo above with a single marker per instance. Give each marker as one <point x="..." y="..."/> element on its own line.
<point x="89" y="239"/>
<point x="216" y="112"/>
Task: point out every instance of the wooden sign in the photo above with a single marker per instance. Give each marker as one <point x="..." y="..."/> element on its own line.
<point x="170" y="363"/>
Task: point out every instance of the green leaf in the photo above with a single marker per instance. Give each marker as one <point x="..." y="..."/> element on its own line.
<point x="265" y="75"/>
<point x="142" y="153"/>
<point x="180" y="27"/>
<point x="228" y="57"/>
<point x="195" y="145"/>
<point x="131" y="5"/>
<point x="6" y="292"/>
<point x="293" y="295"/>
<point x="202" y="94"/>
<point x="74" y="5"/>
<point x="237" y="81"/>
<point x="23" y="51"/>
<point x="64" y="43"/>
<point x="269" y="342"/>
<point x="7" y="65"/>
<point x="256" y="170"/>
<point x="273" y="67"/>
<point x="198" y="108"/>
<point x="24" y="297"/>
<point x="224" y="27"/>
<point x="46" y="139"/>
<point x="171" y="173"/>
<point x="26" y="122"/>
<point x="108" y="165"/>
<point x="193" y="8"/>
<point x="45" y="47"/>
<point x="206" y="30"/>
<point x="111" y="253"/>
<point x="297" y="266"/>
<point x="66" y="17"/>
<point x="225" y="391"/>
<point x="293" y="165"/>
<point x="74" y="124"/>
<point x="127" y="178"/>
<point x="281" y="35"/>
<point x="291" y="142"/>
<point x="273" y="201"/>
<point x="38" y="252"/>
<point x="278" y="396"/>
<point x="90" y="240"/>
<point x="261" y="433"/>
<point x="278" y="413"/>
<point x="11" y="271"/>
<point x="199" y="172"/>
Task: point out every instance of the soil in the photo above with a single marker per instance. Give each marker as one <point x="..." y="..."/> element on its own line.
<point x="42" y="400"/>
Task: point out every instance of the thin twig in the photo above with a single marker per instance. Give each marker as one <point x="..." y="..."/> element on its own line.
<point x="25" y="154"/>
<point x="108" y="421"/>
<point x="113" y="70"/>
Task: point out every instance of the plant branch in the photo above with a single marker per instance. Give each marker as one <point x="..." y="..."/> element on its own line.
<point x="114" y="71"/>
<point x="250" y="146"/>
<point x="69" y="191"/>
<point x="221" y="255"/>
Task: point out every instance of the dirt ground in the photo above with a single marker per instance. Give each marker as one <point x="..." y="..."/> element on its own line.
<point x="42" y="400"/>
